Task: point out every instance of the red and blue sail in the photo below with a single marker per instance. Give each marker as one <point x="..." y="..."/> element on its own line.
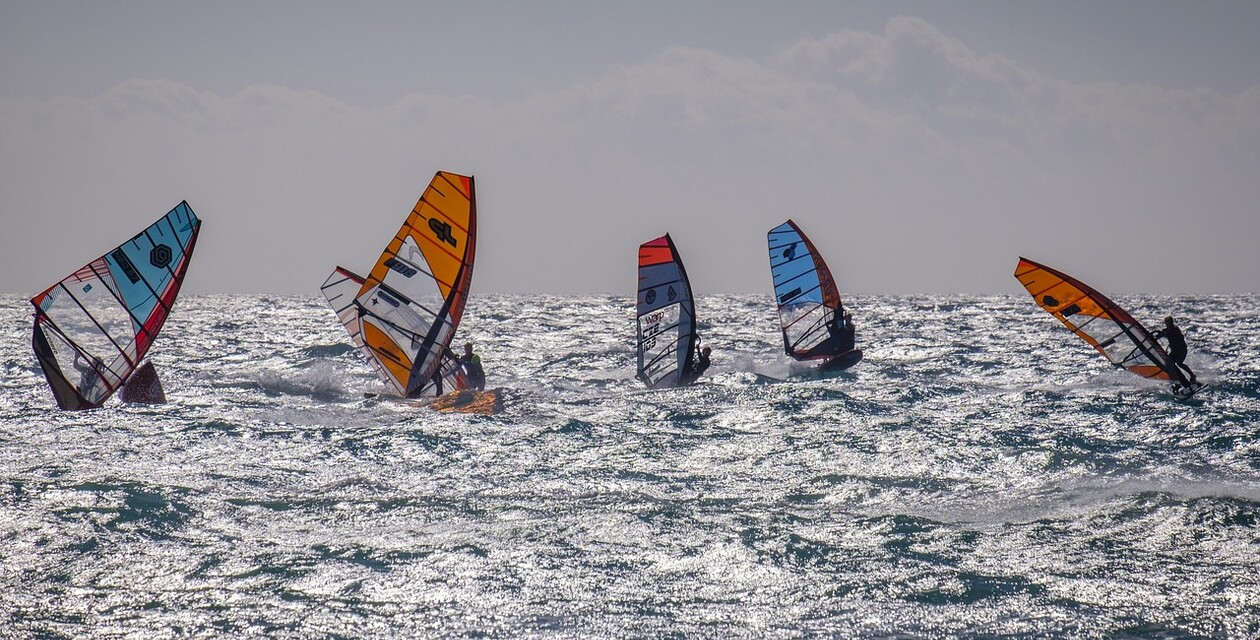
<point x="94" y="327"/>
<point x="806" y="295"/>
<point x="665" y="316"/>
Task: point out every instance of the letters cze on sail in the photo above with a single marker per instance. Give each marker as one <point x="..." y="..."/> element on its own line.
<point x="810" y="311"/>
<point x="93" y="328"/>
<point x="665" y="315"/>
<point x="1097" y="320"/>
<point x="403" y="315"/>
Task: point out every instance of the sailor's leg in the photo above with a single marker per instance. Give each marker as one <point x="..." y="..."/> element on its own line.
<point x="1183" y="367"/>
<point x="1173" y="369"/>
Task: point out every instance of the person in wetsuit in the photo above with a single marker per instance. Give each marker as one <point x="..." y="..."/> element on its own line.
<point x="472" y="368"/>
<point x="89" y="373"/>
<point x="1176" y="352"/>
<point x="697" y="367"/>
<point x="843" y="331"/>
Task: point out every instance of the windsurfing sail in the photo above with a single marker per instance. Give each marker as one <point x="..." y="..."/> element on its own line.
<point x="1096" y="319"/>
<point x="806" y="294"/>
<point x="94" y="327"/>
<point x="403" y="315"/>
<point x="665" y="316"/>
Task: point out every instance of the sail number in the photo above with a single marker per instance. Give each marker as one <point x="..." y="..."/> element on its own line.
<point x="652" y="324"/>
<point x="401" y="267"/>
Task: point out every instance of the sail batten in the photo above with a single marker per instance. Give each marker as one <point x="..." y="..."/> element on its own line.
<point x="403" y="315"/>
<point x="97" y="324"/>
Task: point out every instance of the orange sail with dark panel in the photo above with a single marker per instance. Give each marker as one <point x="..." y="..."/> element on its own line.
<point x="403" y="315"/>
<point x="1096" y="319"/>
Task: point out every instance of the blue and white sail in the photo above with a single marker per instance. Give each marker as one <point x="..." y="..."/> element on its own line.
<point x="810" y="310"/>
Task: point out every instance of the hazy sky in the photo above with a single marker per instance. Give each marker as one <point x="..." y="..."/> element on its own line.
<point x="923" y="146"/>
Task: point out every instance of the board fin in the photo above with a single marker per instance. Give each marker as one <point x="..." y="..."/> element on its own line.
<point x="143" y="387"/>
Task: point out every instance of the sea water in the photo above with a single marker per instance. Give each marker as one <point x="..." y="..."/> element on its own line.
<point x="982" y="472"/>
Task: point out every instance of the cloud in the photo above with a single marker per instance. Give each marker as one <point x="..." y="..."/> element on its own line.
<point x="916" y="163"/>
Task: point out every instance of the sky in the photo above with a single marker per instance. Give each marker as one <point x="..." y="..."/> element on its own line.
<point x="923" y="146"/>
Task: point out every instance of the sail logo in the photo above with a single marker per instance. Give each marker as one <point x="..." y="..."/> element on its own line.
<point x="389" y="299"/>
<point x="160" y="256"/>
<point x="651" y="325"/>
<point x="442" y="230"/>
<point x="125" y="264"/>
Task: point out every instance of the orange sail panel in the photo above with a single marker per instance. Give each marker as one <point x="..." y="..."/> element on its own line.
<point x="403" y="315"/>
<point x="1096" y="319"/>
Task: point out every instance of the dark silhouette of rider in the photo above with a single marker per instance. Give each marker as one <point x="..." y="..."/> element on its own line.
<point x="843" y="331"/>
<point x="697" y="367"/>
<point x="472" y="368"/>
<point x="1176" y="352"/>
<point x="437" y="383"/>
<point x="448" y="361"/>
<point x="89" y="373"/>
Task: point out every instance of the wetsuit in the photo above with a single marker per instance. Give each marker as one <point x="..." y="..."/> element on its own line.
<point x="472" y="368"/>
<point x="1176" y="353"/>
<point x="696" y="369"/>
<point x="844" y="332"/>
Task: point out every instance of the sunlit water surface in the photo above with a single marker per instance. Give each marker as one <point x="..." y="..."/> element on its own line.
<point x="981" y="473"/>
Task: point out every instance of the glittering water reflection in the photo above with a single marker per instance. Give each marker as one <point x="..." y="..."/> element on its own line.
<point x="979" y="473"/>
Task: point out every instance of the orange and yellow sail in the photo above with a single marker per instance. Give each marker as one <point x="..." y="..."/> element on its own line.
<point x="404" y="314"/>
<point x="1116" y="334"/>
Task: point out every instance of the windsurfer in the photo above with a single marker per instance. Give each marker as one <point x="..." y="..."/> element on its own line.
<point x="472" y="368"/>
<point x="89" y="373"/>
<point x="1176" y="352"/>
<point x="842" y="329"/>
<point x="697" y="367"/>
<point x="437" y="383"/>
